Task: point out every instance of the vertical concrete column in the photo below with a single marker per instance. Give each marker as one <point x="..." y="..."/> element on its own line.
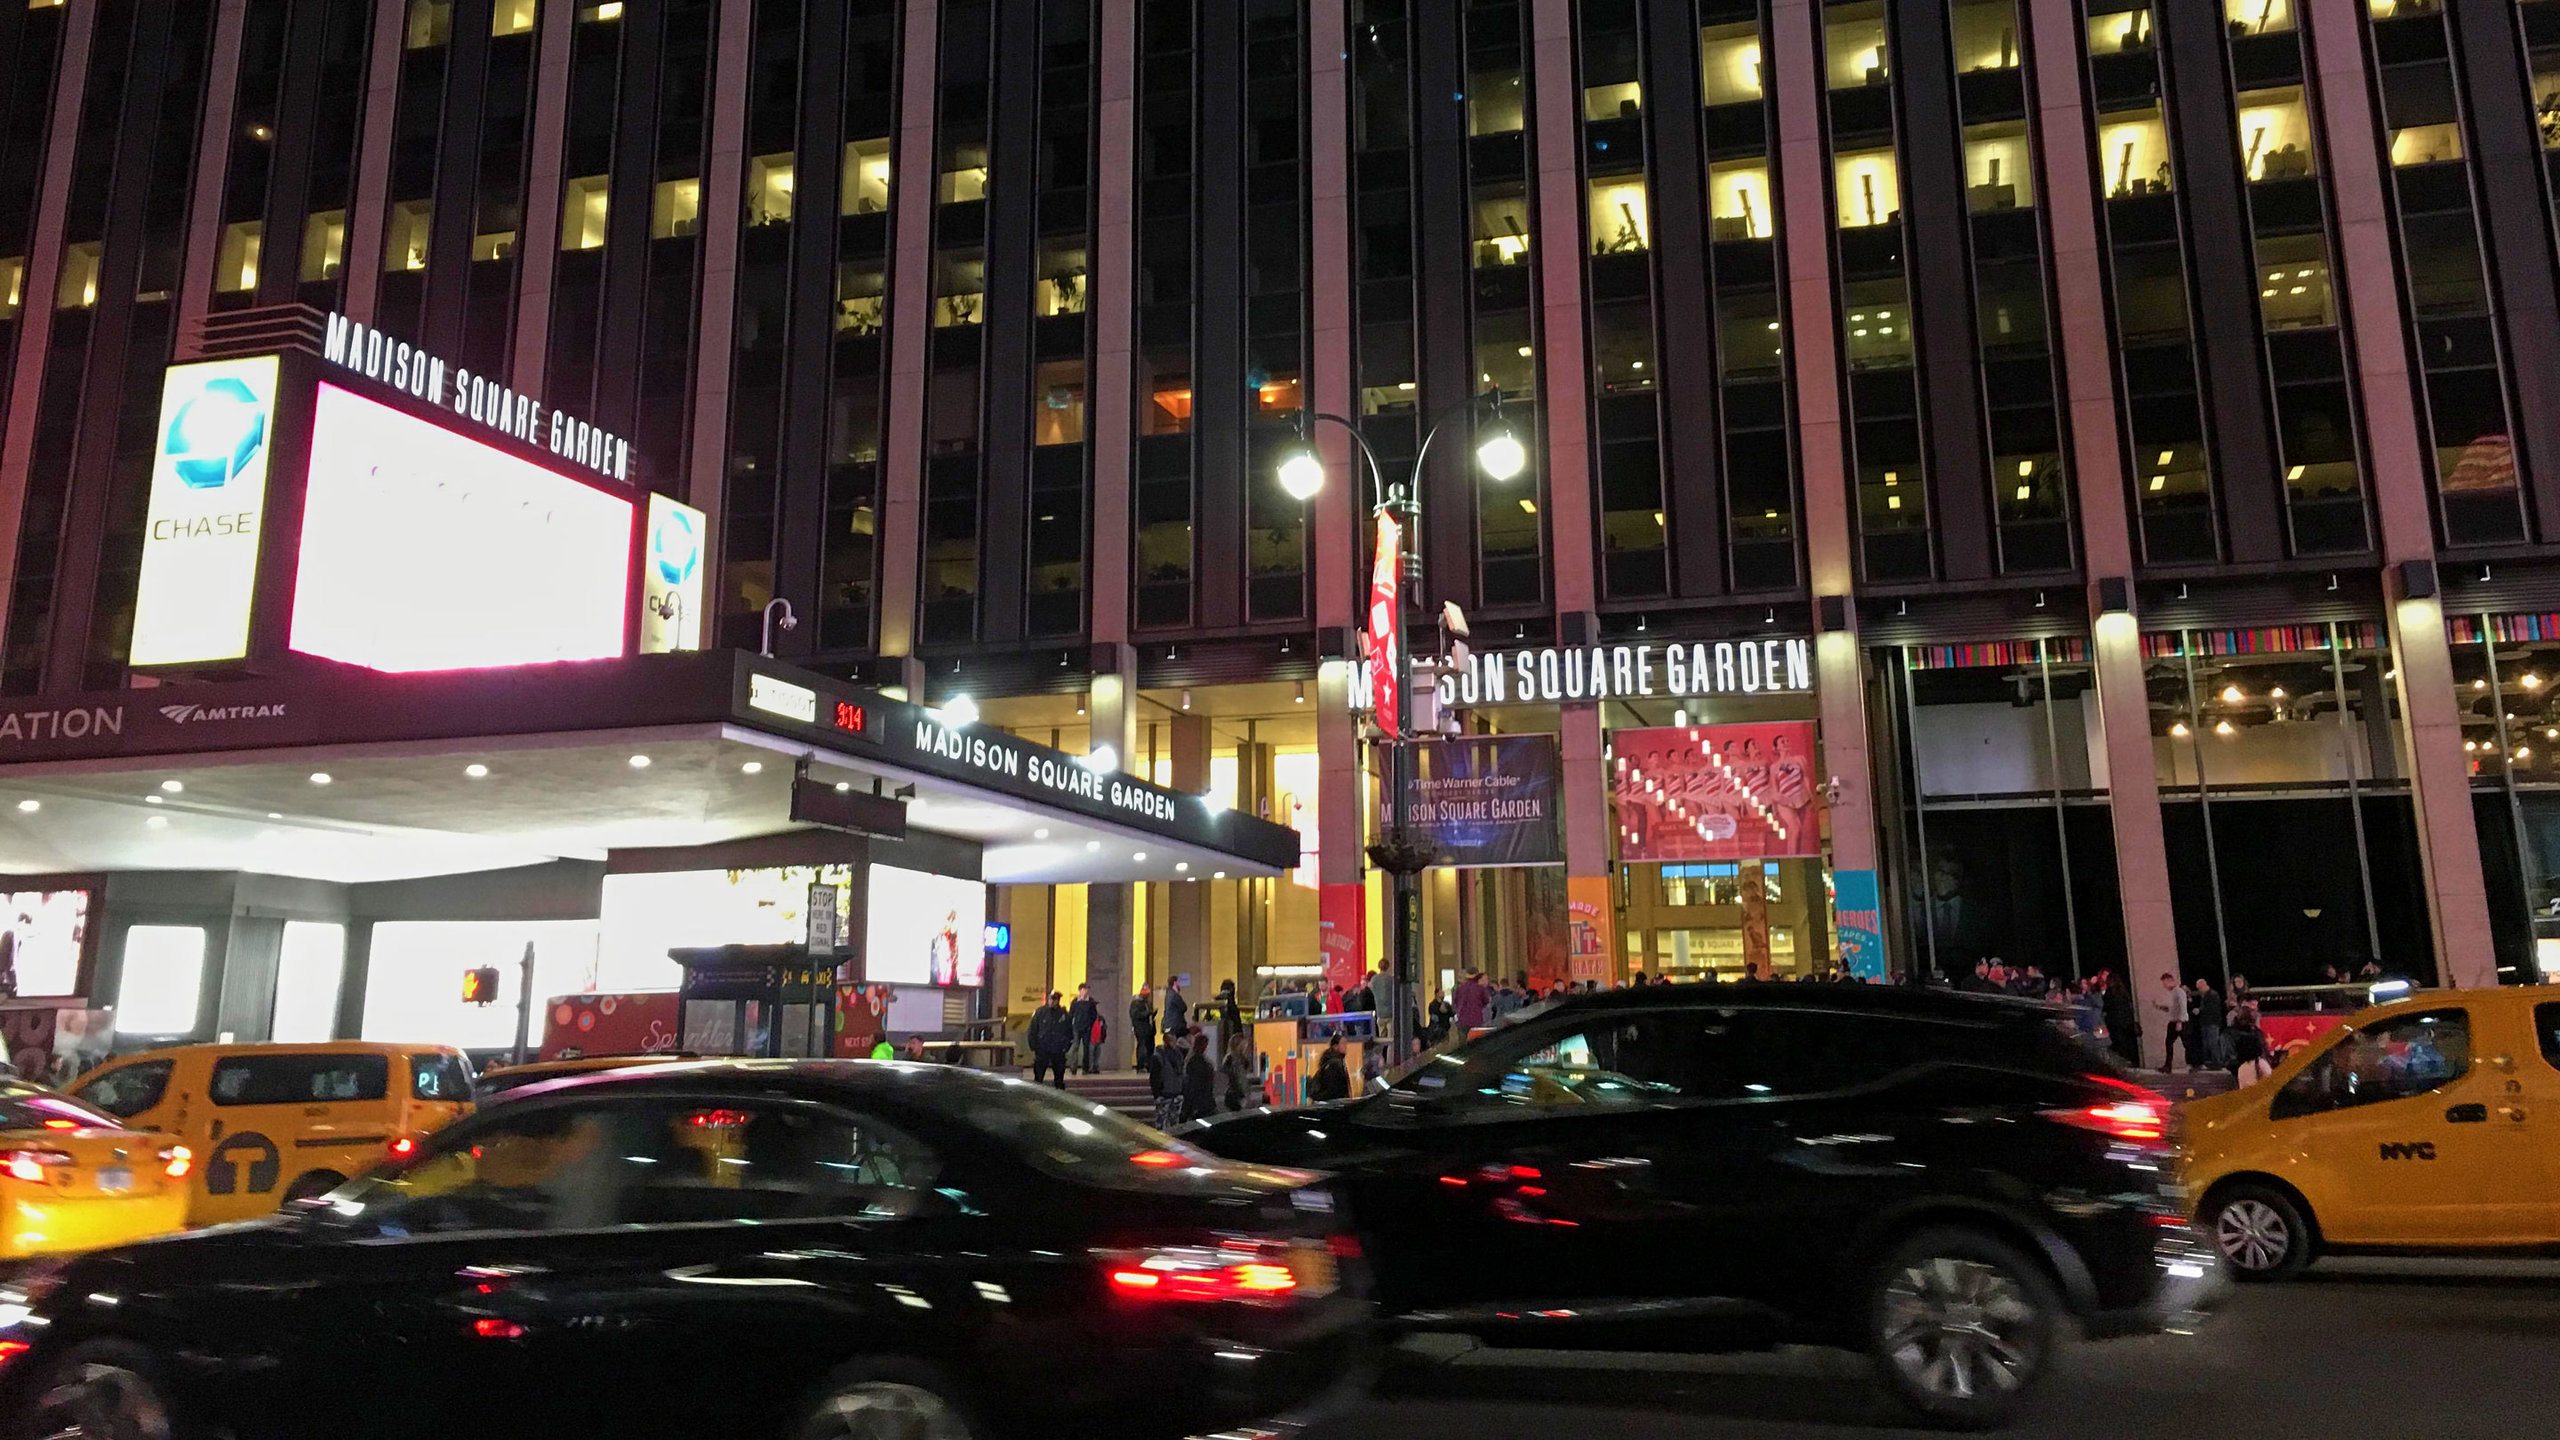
<point x="1586" y="792"/>
<point x="44" y="276"/>
<point x="724" y="189"/>
<point x="2399" y="461"/>
<point x="368" y="218"/>
<point x="1112" y="289"/>
<point x="538" y="250"/>
<point x="1111" y="910"/>
<point x="2123" y="735"/>
<point x="1187" y="903"/>
<point x="1564" y="369"/>
<point x="213" y="162"/>
<point x="913" y="176"/>
<point x="1339" y="544"/>
<point x="1830" y="530"/>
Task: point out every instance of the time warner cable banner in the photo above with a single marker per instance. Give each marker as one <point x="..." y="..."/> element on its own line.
<point x="1487" y="800"/>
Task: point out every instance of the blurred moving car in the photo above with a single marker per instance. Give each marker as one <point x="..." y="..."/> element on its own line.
<point x="497" y="1080"/>
<point x="1940" y="1181"/>
<point x="271" y="1123"/>
<point x="2431" y="1123"/>
<point x="901" y="1252"/>
<point x="73" y="1178"/>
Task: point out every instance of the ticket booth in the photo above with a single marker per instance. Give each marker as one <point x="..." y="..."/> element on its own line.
<point x="763" y="1002"/>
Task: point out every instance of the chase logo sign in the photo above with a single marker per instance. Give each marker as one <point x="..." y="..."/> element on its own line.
<point x="675" y="542"/>
<point x="671" y="578"/>
<point x="207" y="512"/>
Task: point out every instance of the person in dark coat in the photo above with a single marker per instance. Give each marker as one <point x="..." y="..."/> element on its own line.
<point x="1230" y="1014"/>
<point x="1084" y="1018"/>
<point x="1172" y="1057"/>
<point x="2124" y="1024"/>
<point x="1199" y="1079"/>
<point x="1363" y="998"/>
<point x="1177" y="1011"/>
<point x="1332" y="1080"/>
<point x="1142" y="1027"/>
<point x="1051" y="1034"/>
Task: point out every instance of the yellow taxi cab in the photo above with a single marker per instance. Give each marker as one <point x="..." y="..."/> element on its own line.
<point x="272" y="1123"/>
<point x="73" y="1178"/>
<point x="496" y="1080"/>
<point x="2429" y="1123"/>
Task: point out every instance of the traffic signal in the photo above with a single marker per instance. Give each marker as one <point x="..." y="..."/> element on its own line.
<point x="480" y="987"/>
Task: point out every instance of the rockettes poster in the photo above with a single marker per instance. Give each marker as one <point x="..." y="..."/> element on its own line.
<point x="1716" y="792"/>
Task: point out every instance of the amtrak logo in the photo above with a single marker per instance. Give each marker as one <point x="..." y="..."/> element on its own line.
<point x="191" y="714"/>
<point x="675" y="546"/>
<point x="213" y="437"/>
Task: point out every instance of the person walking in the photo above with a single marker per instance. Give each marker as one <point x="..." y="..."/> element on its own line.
<point x="1332" y="1080"/>
<point x="1230" y="1014"/>
<point x="1177" y="1011"/>
<point x="1470" y="1004"/>
<point x="2179" y="1016"/>
<point x="1142" y="1027"/>
<point x="1238" y="1070"/>
<point x="1084" y="1023"/>
<point x="1199" y="1079"/>
<point x="2124" y="1023"/>
<point x="2205" y="1030"/>
<point x="2248" y="1044"/>
<point x="1051" y="1034"/>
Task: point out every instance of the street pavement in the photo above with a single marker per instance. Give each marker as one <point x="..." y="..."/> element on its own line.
<point x="2446" y="1350"/>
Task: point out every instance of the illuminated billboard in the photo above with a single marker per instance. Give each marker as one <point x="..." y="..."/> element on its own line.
<point x="207" y="509"/>
<point x="671" y="578"/>
<point x="423" y="549"/>
<point x="925" y="929"/>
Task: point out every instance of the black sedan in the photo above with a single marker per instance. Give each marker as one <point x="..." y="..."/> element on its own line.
<point x="740" y="1249"/>
<point x="1938" y="1180"/>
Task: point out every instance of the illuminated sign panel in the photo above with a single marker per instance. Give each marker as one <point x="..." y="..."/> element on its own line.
<point x="207" y="508"/>
<point x="671" y="578"/>
<point x="925" y="929"/>
<point x="423" y="549"/>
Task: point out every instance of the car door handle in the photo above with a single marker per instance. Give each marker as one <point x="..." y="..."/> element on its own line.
<point x="2467" y="1114"/>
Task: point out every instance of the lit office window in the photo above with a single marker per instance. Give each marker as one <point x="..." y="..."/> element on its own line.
<point x="861" y="296"/>
<point x="1618" y="216"/>
<point x="1060" y="289"/>
<point x="583" y="213"/>
<point x="404" y="239"/>
<point x="1998" y="173"/>
<point x="324" y="245"/>
<point x="1868" y="190"/>
<point x="1853" y="41"/>
<point x="2275" y="135"/>
<point x="866" y="177"/>
<point x="513" y="17"/>
<point x="1729" y="63"/>
<point x="676" y="208"/>
<point x="2119" y="32"/>
<point x="235" y="265"/>
<point x="769" y="189"/>
<point x="964" y="174"/>
<point x="1738" y="200"/>
<point x="2133" y="154"/>
<point x="1501" y="225"/>
<point x="430" y="24"/>
<point x="78" y="287"/>
<point x="13" y="285"/>
<point x="960" y="291"/>
<point x="2426" y="144"/>
<point x="1986" y="35"/>
<point x="2257" y="17"/>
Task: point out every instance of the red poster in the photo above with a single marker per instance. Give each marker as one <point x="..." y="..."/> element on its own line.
<point x="1386" y="622"/>
<point x="1716" y="792"/>
<point x="641" y="1022"/>
<point x="1342" y="933"/>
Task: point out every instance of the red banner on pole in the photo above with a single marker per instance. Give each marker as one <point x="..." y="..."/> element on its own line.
<point x="1386" y="624"/>
<point x="1342" y="933"/>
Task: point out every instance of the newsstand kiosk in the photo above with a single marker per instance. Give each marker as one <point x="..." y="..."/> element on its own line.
<point x="763" y="1002"/>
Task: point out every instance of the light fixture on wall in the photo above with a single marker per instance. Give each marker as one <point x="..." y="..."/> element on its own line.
<point x="1301" y="697"/>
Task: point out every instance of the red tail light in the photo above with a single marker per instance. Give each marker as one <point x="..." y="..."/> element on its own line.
<point x="2136" y="1114"/>
<point x="12" y="1349"/>
<point x="177" y="1161"/>
<point x="492" y="1328"/>
<point x="1157" y="1159"/>
<point x="32" y="1166"/>
<point x="62" y="1124"/>
<point x="402" y="1148"/>
<point x="1225" y="1270"/>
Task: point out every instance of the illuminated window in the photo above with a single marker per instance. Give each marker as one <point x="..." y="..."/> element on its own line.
<point x="861" y="289"/>
<point x="583" y="212"/>
<point x="2293" y="282"/>
<point x="1275" y="397"/>
<point x="1169" y="406"/>
<point x="430" y="23"/>
<point x="43" y="4"/>
<point x="1868" y="190"/>
<point x="324" y="245"/>
<point x="1501" y="226"/>
<point x="2275" y="135"/>
<point x="1738" y="200"/>
<point x="13" y="285"/>
<point x="2119" y="31"/>
<point x="1623" y="101"/>
<point x="1617" y="216"/>
<point x="512" y="17"/>
<point x="964" y="174"/>
<point x="676" y="208"/>
<point x="1986" y="33"/>
<point x="404" y="240"/>
<point x="960" y="291"/>
<point x="2546" y="99"/>
<point x="78" y="287"/>
<point x="1875" y="318"/>
<point x="769" y="189"/>
<point x="1060" y="289"/>
<point x="2426" y="144"/>
<point x="163" y="981"/>
<point x="1853" y="45"/>
<point x="495" y="245"/>
<point x="2257" y="17"/>
<point x="866" y="177"/>
<point x="1997" y="173"/>
<point x="2387" y="9"/>
<point x="1729" y="63"/>
<point x="1057" y="416"/>
<point x="235" y="265"/>
<point x="609" y="10"/>
<point x="2133" y="153"/>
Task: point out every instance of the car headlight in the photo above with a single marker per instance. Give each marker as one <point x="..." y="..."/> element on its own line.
<point x="24" y="1291"/>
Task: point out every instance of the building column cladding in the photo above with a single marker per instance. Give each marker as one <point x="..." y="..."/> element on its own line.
<point x="2098" y="471"/>
<point x="2439" y="777"/>
<point x="1114" y="297"/>
<point x="1564" y="373"/>
<point x="369" y="217"/>
<point x="723" y="215"/>
<point x="1830" y="539"/>
<point x="539" y="249"/>
<point x="1186" y="939"/>
<point x="1111" y="925"/>
<point x="912" y="176"/>
<point x="213" y="154"/>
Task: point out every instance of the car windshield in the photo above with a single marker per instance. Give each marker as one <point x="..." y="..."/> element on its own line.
<point x="1055" y="1131"/>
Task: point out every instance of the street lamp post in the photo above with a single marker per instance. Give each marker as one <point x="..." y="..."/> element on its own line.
<point x="1501" y="456"/>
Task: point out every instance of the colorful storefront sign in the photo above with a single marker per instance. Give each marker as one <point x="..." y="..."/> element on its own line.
<point x="1486" y="800"/>
<point x="1590" y="922"/>
<point x="1716" y="792"/>
<point x="1858" y="919"/>
<point x="1342" y="933"/>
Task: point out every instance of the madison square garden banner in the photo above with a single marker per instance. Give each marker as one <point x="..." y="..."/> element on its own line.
<point x="1716" y="792"/>
<point x="1486" y="800"/>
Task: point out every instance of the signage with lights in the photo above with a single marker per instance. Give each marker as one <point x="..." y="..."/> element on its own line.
<point x="423" y="549"/>
<point x="412" y="371"/>
<point x="1678" y="670"/>
<point x="781" y="697"/>
<point x="207" y="512"/>
<point x="671" y="578"/>
<point x="849" y="717"/>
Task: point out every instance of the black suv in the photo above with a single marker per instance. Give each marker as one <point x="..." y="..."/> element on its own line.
<point x="1938" y="1180"/>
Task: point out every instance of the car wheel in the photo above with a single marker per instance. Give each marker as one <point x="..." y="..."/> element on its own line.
<point x="1961" y="1325"/>
<point x="2261" y="1232"/>
<point x="313" y="1185"/>
<point x="884" y="1402"/>
<point x="101" y="1392"/>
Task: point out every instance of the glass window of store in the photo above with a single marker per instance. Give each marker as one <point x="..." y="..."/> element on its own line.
<point x="2283" y="790"/>
<point x="1743" y="275"/>
<point x="2505" y="670"/>
<point x="2003" y="852"/>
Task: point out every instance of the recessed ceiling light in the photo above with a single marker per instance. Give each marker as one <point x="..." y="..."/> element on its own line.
<point x="29" y="807"/>
<point x="158" y="822"/>
<point x="639" y="762"/>
<point x="1140" y="856"/>
<point x="1181" y="865"/>
<point x="152" y="800"/>
<point x="844" y="787"/>
<point x="1217" y="874"/>
<point x="321" y="777"/>
<point x="1040" y="834"/>
<point x="476" y="772"/>
<point x="275" y="814"/>
<point x="1093" y="844"/>
<point x="174" y="786"/>
<point x="752" y="767"/>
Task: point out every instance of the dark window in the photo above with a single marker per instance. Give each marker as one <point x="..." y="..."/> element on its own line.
<point x="298" y="1079"/>
<point x="440" y="1077"/>
<point x="40" y="1111"/>
<point x="1056" y="1132"/>
<point x="2390" y="1059"/>
<point x="128" y="1090"/>
<point x="2546" y="1028"/>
